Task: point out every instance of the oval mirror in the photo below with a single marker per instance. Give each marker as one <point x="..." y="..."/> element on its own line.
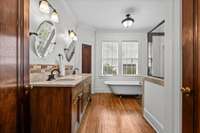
<point x="45" y="39"/>
<point x="70" y="51"/>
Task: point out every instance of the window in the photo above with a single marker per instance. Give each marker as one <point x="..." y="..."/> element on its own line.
<point x="119" y="58"/>
<point x="130" y="57"/>
<point x="110" y="58"/>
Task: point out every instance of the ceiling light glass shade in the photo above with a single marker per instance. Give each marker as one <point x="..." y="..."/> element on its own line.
<point x="54" y="17"/>
<point x="44" y="6"/>
<point x="128" y="21"/>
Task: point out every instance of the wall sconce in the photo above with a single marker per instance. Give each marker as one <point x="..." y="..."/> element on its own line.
<point x="54" y="16"/>
<point x="45" y="7"/>
<point x="72" y="35"/>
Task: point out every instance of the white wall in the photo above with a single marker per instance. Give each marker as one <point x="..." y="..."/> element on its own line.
<point x="154" y="105"/>
<point x="86" y="35"/>
<point x="66" y="21"/>
<point x="177" y="65"/>
<point x="118" y="36"/>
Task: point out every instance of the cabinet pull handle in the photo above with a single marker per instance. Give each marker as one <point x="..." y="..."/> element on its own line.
<point x="31" y="87"/>
<point x="26" y="86"/>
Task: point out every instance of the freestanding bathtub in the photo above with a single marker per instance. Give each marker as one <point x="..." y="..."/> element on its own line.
<point x="125" y="87"/>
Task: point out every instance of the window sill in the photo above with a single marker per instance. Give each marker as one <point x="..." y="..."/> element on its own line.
<point x="120" y="76"/>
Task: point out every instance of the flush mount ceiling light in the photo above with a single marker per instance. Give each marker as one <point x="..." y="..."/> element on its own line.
<point x="128" y="21"/>
<point x="54" y="16"/>
<point x="45" y="7"/>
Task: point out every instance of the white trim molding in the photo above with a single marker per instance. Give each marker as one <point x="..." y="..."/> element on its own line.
<point x="153" y="121"/>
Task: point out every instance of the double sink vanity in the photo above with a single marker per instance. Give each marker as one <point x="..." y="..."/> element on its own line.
<point x="58" y="106"/>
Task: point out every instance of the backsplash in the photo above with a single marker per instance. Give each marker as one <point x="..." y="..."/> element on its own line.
<point x="39" y="68"/>
<point x="40" y="72"/>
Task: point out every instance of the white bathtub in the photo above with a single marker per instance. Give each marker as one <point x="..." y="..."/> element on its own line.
<point x="125" y="87"/>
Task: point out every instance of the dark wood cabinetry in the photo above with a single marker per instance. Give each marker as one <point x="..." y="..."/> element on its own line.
<point x="14" y="66"/>
<point x="86" y="97"/>
<point x="58" y="109"/>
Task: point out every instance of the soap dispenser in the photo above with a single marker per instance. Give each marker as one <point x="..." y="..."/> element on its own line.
<point x="61" y="65"/>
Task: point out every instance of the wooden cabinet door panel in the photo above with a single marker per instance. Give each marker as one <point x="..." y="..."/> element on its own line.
<point x="50" y="110"/>
<point x="74" y="120"/>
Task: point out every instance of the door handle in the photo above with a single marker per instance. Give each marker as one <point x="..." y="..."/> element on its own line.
<point x="186" y="90"/>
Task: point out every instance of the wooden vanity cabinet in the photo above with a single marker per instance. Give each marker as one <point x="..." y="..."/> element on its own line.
<point x="75" y="111"/>
<point x="81" y="99"/>
<point x="86" y="93"/>
<point x="58" y="109"/>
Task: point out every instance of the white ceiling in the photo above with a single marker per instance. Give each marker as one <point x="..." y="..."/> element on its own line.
<point x="108" y="14"/>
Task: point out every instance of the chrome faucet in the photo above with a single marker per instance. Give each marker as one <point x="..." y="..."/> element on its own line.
<point x="75" y="70"/>
<point x="52" y="75"/>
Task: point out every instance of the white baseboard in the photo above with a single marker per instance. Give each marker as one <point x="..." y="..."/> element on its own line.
<point x="101" y="90"/>
<point x="158" y="126"/>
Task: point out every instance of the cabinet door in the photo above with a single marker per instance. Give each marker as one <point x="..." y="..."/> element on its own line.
<point x="50" y="109"/>
<point x="84" y="96"/>
<point x="88" y="89"/>
<point x="86" y="93"/>
<point x="80" y="106"/>
<point x="74" y="123"/>
<point x="75" y="107"/>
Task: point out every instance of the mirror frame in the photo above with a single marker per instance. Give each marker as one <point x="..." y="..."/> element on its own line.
<point x="150" y="35"/>
<point x="52" y="43"/>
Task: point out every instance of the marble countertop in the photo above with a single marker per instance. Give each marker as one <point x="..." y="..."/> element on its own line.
<point x="67" y="81"/>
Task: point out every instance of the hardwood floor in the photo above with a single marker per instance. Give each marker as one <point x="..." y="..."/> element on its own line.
<point x="111" y="114"/>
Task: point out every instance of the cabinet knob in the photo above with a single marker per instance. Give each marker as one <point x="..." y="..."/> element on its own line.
<point x="26" y="92"/>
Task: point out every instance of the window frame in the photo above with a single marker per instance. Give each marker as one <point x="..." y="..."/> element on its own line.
<point x="137" y="64"/>
<point x="120" y="60"/>
<point x="102" y="59"/>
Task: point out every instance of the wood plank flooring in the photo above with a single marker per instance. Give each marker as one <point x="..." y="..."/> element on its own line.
<point x="111" y="114"/>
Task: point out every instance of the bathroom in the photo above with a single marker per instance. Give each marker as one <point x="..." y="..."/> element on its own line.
<point x="98" y="67"/>
<point x="119" y="56"/>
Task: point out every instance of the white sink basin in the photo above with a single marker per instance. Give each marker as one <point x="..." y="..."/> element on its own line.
<point x="66" y="79"/>
<point x="69" y="78"/>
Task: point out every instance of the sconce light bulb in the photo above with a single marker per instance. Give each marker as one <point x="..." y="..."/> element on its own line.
<point x="75" y="38"/>
<point x="71" y="34"/>
<point x="44" y="6"/>
<point x="54" y="17"/>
